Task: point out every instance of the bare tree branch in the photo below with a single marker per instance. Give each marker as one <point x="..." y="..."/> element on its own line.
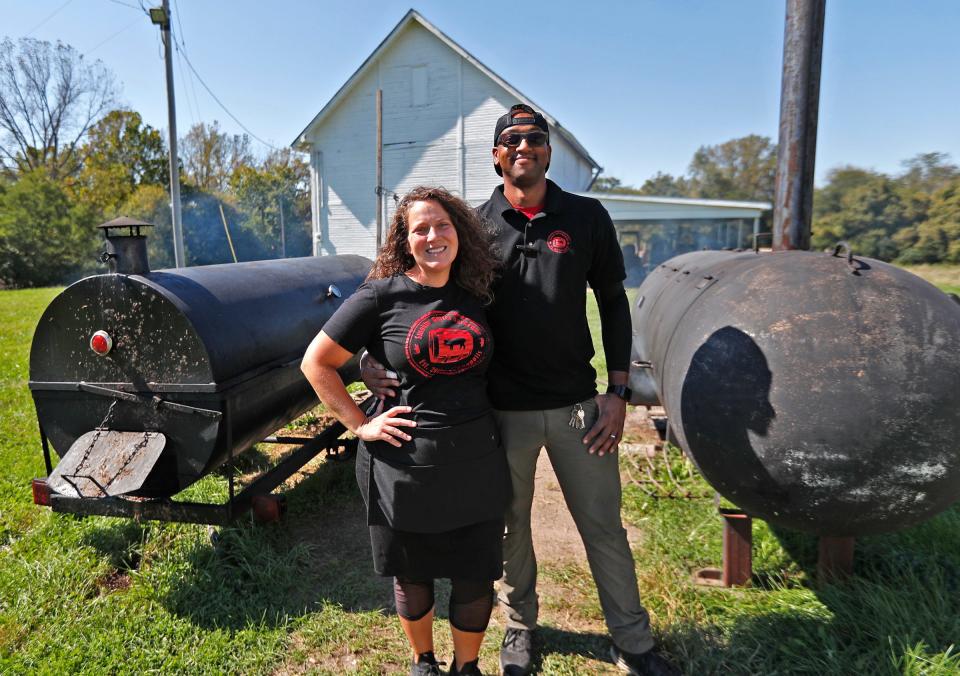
<point x="49" y="98"/>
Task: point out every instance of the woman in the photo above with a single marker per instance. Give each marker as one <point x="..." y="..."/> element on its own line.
<point x="429" y="465"/>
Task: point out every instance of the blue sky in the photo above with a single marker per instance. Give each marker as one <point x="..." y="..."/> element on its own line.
<point x="642" y="84"/>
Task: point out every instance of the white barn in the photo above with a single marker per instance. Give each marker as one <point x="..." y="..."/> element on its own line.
<point x="440" y="105"/>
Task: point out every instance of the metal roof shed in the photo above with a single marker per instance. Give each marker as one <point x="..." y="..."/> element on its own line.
<point x="653" y="229"/>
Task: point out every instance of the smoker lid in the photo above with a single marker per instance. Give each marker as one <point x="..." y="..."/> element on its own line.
<point x="124" y="222"/>
<point x="203" y="327"/>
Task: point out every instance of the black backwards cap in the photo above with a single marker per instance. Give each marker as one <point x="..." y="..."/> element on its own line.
<point x="518" y="114"/>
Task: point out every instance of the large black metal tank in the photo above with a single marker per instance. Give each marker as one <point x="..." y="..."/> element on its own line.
<point x="208" y="356"/>
<point x="816" y="391"/>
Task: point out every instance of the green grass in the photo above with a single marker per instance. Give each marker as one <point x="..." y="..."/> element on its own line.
<point x="97" y="595"/>
<point x="945" y="276"/>
<point x="898" y="614"/>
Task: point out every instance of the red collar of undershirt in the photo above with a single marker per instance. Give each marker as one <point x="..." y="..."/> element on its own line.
<point x="529" y="212"/>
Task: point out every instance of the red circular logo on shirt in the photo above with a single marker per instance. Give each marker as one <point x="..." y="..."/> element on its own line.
<point x="558" y="241"/>
<point x="444" y="343"/>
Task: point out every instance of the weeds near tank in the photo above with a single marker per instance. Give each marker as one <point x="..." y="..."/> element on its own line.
<point x="97" y="595"/>
<point x="664" y="473"/>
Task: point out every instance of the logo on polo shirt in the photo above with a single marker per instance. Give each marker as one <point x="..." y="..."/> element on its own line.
<point x="445" y="343"/>
<point x="558" y="241"/>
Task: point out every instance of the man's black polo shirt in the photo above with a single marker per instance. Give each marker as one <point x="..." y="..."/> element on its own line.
<point x="539" y="316"/>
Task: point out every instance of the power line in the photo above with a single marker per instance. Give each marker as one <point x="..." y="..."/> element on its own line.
<point x="219" y="102"/>
<point x="193" y="106"/>
<point x="50" y="16"/>
<point x="193" y="91"/>
<point x="176" y="13"/>
<point x="127" y="4"/>
<point x="181" y="45"/>
<point x="182" y="39"/>
<point x="111" y="37"/>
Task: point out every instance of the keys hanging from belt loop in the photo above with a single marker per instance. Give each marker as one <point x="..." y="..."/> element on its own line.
<point x="577" y="416"/>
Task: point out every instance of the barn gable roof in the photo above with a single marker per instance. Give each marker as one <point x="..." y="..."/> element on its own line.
<point x="410" y="17"/>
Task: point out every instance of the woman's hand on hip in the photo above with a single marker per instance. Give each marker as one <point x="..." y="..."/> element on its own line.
<point x="386" y="426"/>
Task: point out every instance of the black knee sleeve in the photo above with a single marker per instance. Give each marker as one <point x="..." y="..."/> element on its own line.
<point x="471" y="602"/>
<point x="414" y="598"/>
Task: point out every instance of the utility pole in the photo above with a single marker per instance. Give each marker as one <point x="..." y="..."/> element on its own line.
<point x="283" y="233"/>
<point x="379" y="104"/>
<point x="161" y="17"/>
<point x="799" y="108"/>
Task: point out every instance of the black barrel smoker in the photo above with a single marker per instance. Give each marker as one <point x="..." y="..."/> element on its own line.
<point x="818" y="391"/>
<point x="145" y="381"/>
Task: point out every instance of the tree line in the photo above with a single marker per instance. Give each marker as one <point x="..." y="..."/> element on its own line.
<point x="72" y="157"/>
<point x="908" y="218"/>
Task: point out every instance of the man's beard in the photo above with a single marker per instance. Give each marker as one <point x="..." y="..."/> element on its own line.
<point x="527" y="179"/>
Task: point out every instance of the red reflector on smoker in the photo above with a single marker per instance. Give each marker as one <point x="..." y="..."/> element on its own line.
<point x="101" y="342"/>
<point x="41" y="493"/>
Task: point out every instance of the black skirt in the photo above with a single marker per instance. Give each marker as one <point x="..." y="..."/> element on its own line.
<point x="435" y="505"/>
<point x="473" y="552"/>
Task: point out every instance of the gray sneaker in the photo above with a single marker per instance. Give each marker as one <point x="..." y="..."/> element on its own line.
<point x="642" y="664"/>
<point x="468" y="668"/>
<point x="516" y="652"/>
<point x="426" y="665"/>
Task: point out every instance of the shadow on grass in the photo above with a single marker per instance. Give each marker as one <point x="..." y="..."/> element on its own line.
<point x="551" y="641"/>
<point x="251" y="574"/>
<point x="866" y="627"/>
<point x="266" y="575"/>
<point x="120" y="542"/>
<point x="898" y="613"/>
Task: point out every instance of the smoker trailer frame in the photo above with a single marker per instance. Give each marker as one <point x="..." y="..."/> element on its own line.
<point x="202" y="362"/>
<point x="256" y="496"/>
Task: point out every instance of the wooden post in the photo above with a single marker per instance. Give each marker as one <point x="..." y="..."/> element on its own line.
<point x="226" y="229"/>
<point x="379" y="169"/>
<point x="283" y="232"/>
<point x="835" y="559"/>
<point x="737" y="564"/>
<point x="737" y="548"/>
<point x="179" y="257"/>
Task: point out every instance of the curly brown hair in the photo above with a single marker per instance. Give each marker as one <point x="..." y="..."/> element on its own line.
<point x="476" y="264"/>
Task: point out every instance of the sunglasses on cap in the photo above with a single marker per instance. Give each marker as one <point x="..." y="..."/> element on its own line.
<point x="534" y="139"/>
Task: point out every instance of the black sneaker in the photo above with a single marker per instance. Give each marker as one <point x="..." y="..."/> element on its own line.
<point x="642" y="664"/>
<point x="468" y="668"/>
<point x="516" y="652"/>
<point x="425" y="665"/>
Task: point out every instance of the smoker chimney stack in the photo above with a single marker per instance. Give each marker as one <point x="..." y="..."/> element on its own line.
<point x="126" y="248"/>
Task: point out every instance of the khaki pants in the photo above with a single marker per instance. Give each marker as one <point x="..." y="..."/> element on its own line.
<point x="591" y="489"/>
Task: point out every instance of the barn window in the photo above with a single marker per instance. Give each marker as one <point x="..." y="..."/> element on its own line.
<point x="418" y="82"/>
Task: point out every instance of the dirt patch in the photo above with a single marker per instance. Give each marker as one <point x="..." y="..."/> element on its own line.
<point x="555" y="536"/>
<point x="343" y="658"/>
<point x="115" y="581"/>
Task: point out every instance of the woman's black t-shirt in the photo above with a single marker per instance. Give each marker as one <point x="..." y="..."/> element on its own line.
<point x="452" y="472"/>
<point x="435" y="338"/>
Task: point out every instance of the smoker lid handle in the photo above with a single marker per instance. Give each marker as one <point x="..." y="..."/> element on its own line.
<point x="155" y="401"/>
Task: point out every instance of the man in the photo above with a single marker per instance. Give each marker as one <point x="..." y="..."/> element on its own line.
<point x="543" y="387"/>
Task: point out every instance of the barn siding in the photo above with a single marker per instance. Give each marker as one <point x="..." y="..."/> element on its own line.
<point x="568" y="169"/>
<point x="439" y="111"/>
<point x="348" y="173"/>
